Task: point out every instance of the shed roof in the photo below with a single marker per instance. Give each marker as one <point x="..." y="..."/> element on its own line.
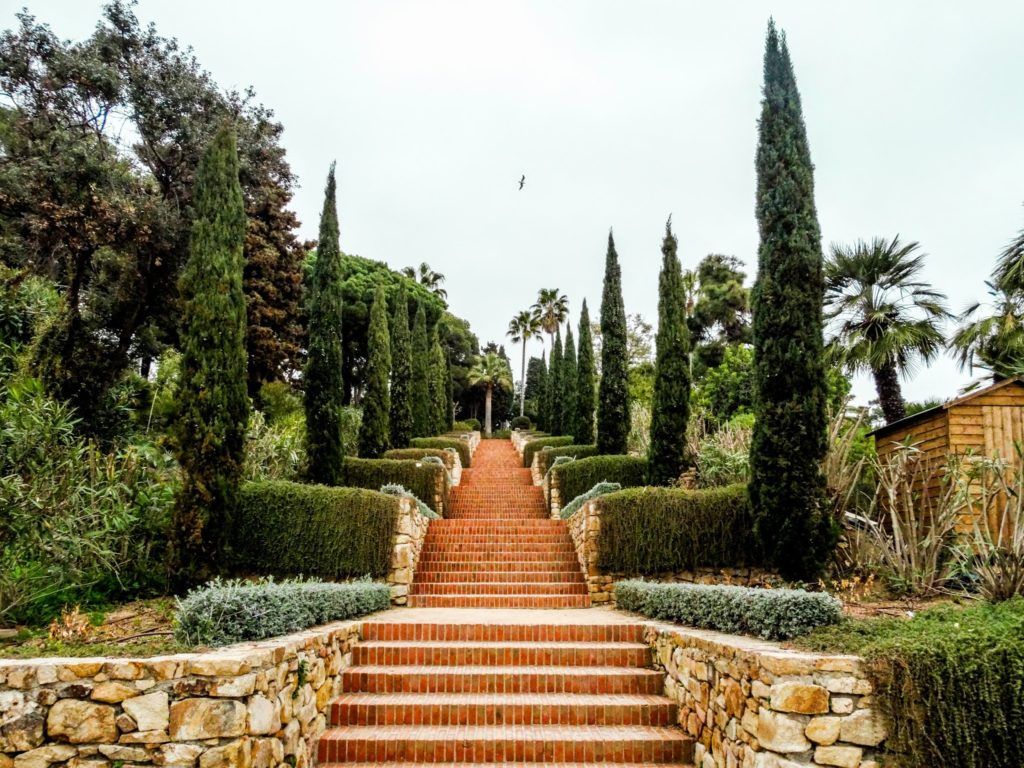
<point x="928" y="413"/>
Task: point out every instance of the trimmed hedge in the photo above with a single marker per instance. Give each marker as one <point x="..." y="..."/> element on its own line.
<point x="580" y="476"/>
<point x="548" y="455"/>
<point x="521" y="422"/>
<point x="774" y="614"/>
<point x="648" y="530"/>
<point x="601" y="489"/>
<point x="418" y="454"/>
<point x="466" y="425"/>
<point x="540" y="443"/>
<point x="373" y="473"/>
<point x="290" y="529"/>
<point x="403" y="492"/>
<point x="224" y="612"/>
<point x="445" y="442"/>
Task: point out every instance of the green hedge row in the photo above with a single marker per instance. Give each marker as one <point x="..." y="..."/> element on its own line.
<point x="547" y="456"/>
<point x="648" y="531"/>
<point x="421" y="480"/>
<point x="417" y="454"/>
<point x="774" y="614"/>
<point x="290" y="529"/>
<point x="445" y="442"/>
<point x="580" y="476"/>
<point x="540" y="443"/>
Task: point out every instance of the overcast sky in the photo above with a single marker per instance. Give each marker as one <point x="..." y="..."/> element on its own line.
<point x="620" y="113"/>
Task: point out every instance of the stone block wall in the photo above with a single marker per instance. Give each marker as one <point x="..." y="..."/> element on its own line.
<point x="259" y="705"/>
<point x="748" y="703"/>
<point x="410" y="531"/>
<point x="519" y="440"/>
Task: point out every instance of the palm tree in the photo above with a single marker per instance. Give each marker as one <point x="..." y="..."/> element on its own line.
<point x="994" y="340"/>
<point x="551" y="310"/>
<point x="428" y="278"/>
<point x="521" y="328"/>
<point x="491" y="372"/>
<point x="888" y="319"/>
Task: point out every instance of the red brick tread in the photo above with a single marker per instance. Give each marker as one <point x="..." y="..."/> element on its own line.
<point x="387" y="764"/>
<point x="501" y="653"/>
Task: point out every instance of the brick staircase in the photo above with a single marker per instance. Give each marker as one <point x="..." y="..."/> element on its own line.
<point x="498" y="547"/>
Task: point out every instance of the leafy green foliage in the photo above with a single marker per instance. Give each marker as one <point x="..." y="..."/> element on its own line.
<point x="213" y="403"/>
<point x="539" y="444"/>
<point x="401" y="491"/>
<point x="586" y="392"/>
<point x="787" y="487"/>
<point x="774" y="614"/>
<point x="461" y="446"/>
<point x="375" y="429"/>
<point x="325" y="387"/>
<point x="613" y="416"/>
<point x="437" y="388"/>
<point x="727" y="389"/>
<point x="225" y="612"/>
<point x="659" y="530"/>
<point x="418" y="476"/>
<point x="418" y="454"/>
<point x="421" y="412"/>
<point x="401" y="420"/>
<point x="556" y="388"/>
<point x="601" y="489"/>
<point x="567" y="384"/>
<point x="670" y="409"/>
<point x="275" y="450"/>
<point x="721" y="309"/>
<point x="581" y="475"/>
<point x="493" y="374"/>
<point x="290" y="529"/>
<point x="548" y="455"/>
<point x="521" y="422"/>
<point x="948" y="680"/>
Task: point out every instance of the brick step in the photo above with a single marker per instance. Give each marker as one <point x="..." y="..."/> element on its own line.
<point x="531" y="744"/>
<point x="565" y="557"/>
<point x="482" y="577"/>
<point x="499" y="601"/>
<point x="577" y="587"/>
<point x="503" y="546"/>
<point x="540" y="524"/>
<point x="504" y="566"/>
<point x="501" y="709"/>
<point x="476" y="511"/>
<point x="496" y="654"/>
<point x="510" y="632"/>
<point x="526" y="537"/>
<point x="511" y="764"/>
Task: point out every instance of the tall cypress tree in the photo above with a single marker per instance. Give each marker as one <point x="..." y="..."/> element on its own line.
<point x="325" y="387"/>
<point x="375" y="428"/>
<point x="213" y="405"/>
<point x="401" y="373"/>
<point x="613" y="420"/>
<point x="670" y="409"/>
<point x="421" y="422"/>
<point x="568" y="383"/>
<point x="556" y="416"/>
<point x="437" y="389"/>
<point x="583" y="428"/>
<point x="787" y="486"/>
<point x="449" y="391"/>
<point x="536" y="376"/>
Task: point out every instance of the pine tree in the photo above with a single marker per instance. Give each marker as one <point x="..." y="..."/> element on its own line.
<point x="568" y="383"/>
<point x="613" y="420"/>
<point x="556" y="415"/>
<point x="670" y="409"/>
<point x="401" y="373"/>
<point x="421" y="420"/>
<point x="325" y="388"/>
<point x="213" y="405"/>
<point x="437" y="388"/>
<point x="789" y="443"/>
<point x="583" y="428"/>
<point x="375" y="427"/>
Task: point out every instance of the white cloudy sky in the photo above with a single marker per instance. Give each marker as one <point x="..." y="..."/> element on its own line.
<point x="619" y="114"/>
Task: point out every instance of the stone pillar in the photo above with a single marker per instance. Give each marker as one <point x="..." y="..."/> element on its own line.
<point x="410" y="531"/>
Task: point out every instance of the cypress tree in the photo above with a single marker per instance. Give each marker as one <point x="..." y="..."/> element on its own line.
<point x="449" y="392"/>
<point x="583" y="428"/>
<point x="613" y="421"/>
<point x="375" y="428"/>
<point x="213" y="404"/>
<point x="325" y="388"/>
<point x="568" y="383"/>
<point x="543" y="417"/>
<point x="554" y="393"/>
<point x="670" y="409"/>
<point x="401" y="373"/>
<point x="789" y="442"/>
<point x="421" y="420"/>
<point x="536" y="375"/>
<point x="437" y="389"/>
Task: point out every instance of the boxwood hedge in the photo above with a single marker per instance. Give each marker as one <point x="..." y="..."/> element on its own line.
<point x="290" y="529"/>
<point x="417" y="454"/>
<point x="580" y="476"/>
<point x="647" y="531"/>
<point x="540" y="443"/>
<point x="547" y="456"/>
<point x="373" y="473"/>
<point x="445" y="442"/>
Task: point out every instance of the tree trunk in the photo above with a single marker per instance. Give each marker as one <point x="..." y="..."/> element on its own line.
<point x="890" y="397"/>
<point x="487" y="411"/>
<point x="522" y="382"/>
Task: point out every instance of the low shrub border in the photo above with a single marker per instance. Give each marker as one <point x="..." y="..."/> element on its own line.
<point x="533" y="446"/>
<point x="648" y="531"/>
<point x="401" y="491"/>
<point x="416" y="454"/>
<point x="465" y="456"/>
<point x="290" y="529"/>
<point x="521" y="422"/>
<point x="547" y="456"/>
<point x="225" y="612"/>
<point x="598" y="490"/>
<point x="581" y="475"/>
<point x="772" y="614"/>
<point x="421" y="478"/>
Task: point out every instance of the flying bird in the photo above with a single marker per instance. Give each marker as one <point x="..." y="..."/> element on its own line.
<point x="522" y="181"/>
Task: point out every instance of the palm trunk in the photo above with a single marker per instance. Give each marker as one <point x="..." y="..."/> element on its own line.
<point x="890" y="397"/>
<point x="487" y="411"/>
<point x="522" y="380"/>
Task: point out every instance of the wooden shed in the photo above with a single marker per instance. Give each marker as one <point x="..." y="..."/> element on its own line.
<point x="984" y="422"/>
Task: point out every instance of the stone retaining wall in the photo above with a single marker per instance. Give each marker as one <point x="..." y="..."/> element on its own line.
<point x="259" y="705"/>
<point x="410" y="531"/>
<point x="748" y="703"/>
